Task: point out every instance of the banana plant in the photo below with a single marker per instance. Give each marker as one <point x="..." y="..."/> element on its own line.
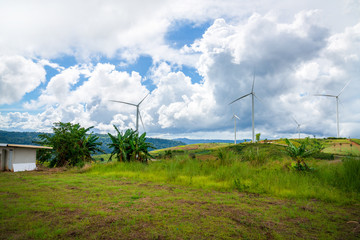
<point x="129" y="146"/>
<point x="299" y="153"/>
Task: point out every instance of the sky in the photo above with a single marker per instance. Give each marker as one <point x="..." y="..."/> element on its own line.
<point x="66" y="60"/>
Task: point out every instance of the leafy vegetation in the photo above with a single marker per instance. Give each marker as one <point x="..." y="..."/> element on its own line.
<point x="71" y="143"/>
<point x="85" y="205"/>
<point x="299" y="153"/>
<point x="258" y="137"/>
<point x="129" y="146"/>
<point x="204" y="191"/>
<point x="30" y="138"/>
<point x="229" y="168"/>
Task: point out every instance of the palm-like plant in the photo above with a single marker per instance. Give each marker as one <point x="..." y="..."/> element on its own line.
<point x="91" y="145"/>
<point x="141" y="148"/>
<point x="298" y="153"/>
<point x="129" y="146"/>
<point x="120" y="144"/>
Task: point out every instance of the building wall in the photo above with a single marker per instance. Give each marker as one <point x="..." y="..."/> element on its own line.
<point x="24" y="155"/>
<point x="2" y="159"/>
<point x="24" y="159"/>
<point x="17" y="159"/>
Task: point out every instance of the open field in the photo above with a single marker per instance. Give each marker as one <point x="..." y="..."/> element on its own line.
<point x="343" y="147"/>
<point x="44" y="205"/>
<point x="247" y="191"/>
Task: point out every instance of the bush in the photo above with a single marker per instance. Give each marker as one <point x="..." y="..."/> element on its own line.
<point x="71" y="145"/>
<point x="322" y="155"/>
<point x="129" y="146"/>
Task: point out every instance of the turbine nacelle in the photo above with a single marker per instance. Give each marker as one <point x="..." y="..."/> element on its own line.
<point x="138" y="115"/>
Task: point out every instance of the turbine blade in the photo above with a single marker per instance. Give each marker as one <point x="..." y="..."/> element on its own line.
<point x="235" y="116"/>
<point x="142" y="122"/>
<point x="341" y="103"/>
<point x="324" y="95"/>
<point x="143" y="99"/>
<point x="295" y="121"/>
<point x="344" y="87"/>
<point x="123" y="102"/>
<point x="259" y="98"/>
<point x="240" y="98"/>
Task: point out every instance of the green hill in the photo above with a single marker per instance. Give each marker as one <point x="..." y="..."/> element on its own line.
<point x="28" y="138"/>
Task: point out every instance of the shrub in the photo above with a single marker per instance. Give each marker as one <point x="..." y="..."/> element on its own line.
<point x="129" y="146"/>
<point x="322" y="155"/>
<point x="71" y="145"/>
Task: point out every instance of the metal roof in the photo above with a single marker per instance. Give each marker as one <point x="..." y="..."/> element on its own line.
<point x="23" y="146"/>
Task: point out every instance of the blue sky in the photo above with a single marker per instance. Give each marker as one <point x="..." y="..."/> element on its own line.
<point x="64" y="61"/>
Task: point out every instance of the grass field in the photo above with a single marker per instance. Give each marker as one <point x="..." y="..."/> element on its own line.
<point x="343" y="147"/>
<point x="48" y="205"/>
<point x="224" y="192"/>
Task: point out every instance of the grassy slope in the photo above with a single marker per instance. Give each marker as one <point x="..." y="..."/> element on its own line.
<point x="183" y="198"/>
<point x="48" y="205"/>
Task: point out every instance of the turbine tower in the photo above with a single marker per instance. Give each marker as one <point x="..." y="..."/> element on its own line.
<point x="235" y="117"/>
<point x="337" y="105"/>
<point x="298" y="126"/>
<point x="252" y="93"/>
<point x="137" y="110"/>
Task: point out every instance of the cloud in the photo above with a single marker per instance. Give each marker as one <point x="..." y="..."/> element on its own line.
<point x="18" y="76"/>
<point x="41" y="122"/>
<point x="127" y="29"/>
<point x="293" y="57"/>
<point x="82" y="93"/>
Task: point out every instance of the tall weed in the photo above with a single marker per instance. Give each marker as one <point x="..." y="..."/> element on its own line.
<point x="351" y="177"/>
<point x="226" y="156"/>
<point x="255" y="156"/>
<point x="329" y="182"/>
<point x="343" y="176"/>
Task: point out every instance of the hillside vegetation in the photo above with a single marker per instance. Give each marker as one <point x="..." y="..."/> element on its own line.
<point x="200" y="191"/>
<point x="29" y="138"/>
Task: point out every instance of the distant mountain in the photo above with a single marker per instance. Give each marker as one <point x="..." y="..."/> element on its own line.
<point x="194" y="141"/>
<point x="28" y="138"/>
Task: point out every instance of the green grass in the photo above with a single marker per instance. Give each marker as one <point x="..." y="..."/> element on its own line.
<point x="244" y="191"/>
<point x="276" y="179"/>
<point x="70" y="204"/>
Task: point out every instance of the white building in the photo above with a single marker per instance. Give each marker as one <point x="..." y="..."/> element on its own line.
<point x="15" y="157"/>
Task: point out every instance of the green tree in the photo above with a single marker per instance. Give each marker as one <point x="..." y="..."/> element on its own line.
<point x="129" y="146"/>
<point x="72" y="145"/>
<point x="258" y="137"/>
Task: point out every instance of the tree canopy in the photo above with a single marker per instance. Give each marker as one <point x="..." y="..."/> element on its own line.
<point x="72" y="145"/>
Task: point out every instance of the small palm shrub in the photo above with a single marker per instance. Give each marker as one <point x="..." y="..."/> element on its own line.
<point x="299" y="153"/>
<point x="129" y="146"/>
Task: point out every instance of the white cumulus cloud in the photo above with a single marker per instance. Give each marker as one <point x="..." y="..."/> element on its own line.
<point x="18" y="76"/>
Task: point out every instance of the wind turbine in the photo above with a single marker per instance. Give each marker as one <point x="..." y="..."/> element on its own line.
<point x="235" y="117"/>
<point x="337" y="105"/>
<point x="137" y="110"/>
<point x="252" y="93"/>
<point x="298" y="126"/>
